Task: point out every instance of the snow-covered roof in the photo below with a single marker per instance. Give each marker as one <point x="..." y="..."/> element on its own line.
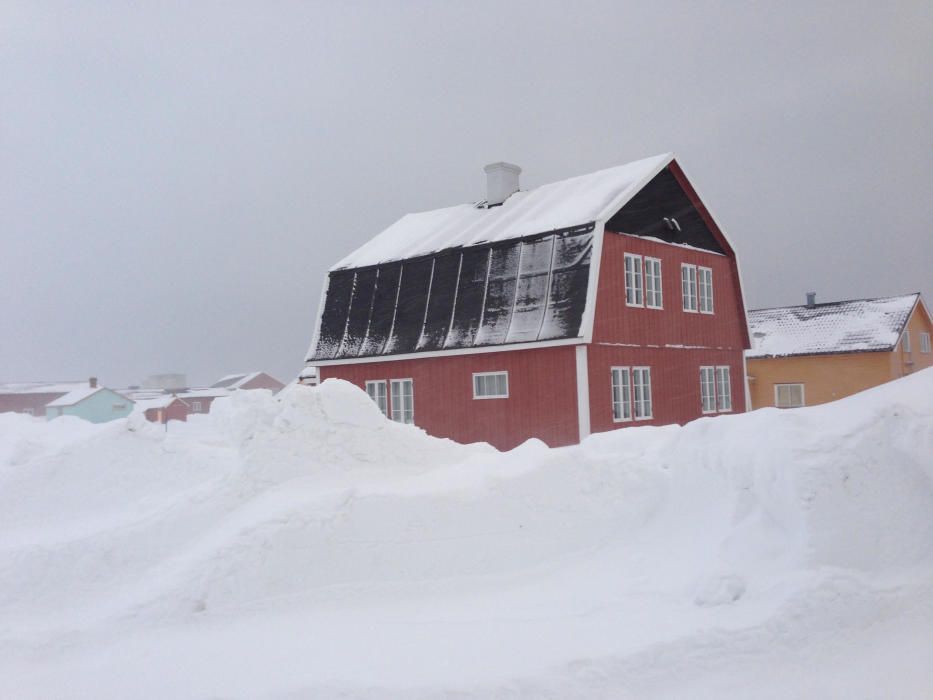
<point x="234" y="381"/>
<point x="559" y="205"/>
<point x="210" y="393"/>
<point x="79" y="395"/>
<point x="860" y="325"/>
<point x="163" y="401"/>
<point x="40" y="387"/>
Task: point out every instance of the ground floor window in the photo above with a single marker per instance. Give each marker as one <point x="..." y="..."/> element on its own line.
<point x="788" y="395"/>
<point x="195" y="406"/>
<point x="708" y="389"/>
<point x="621" y="394"/>
<point x="715" y="389"/>
<point x="491" y="385"/>
<point x="27" y="411"/>
<point x="403" y="401"/>
<point x="377" y="392"/>
<point x="723" y="389"/>
<point x="631" y="393"/>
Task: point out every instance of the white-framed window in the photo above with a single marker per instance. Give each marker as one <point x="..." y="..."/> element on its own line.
<point x="708" y="389"/>
<point x="905" y="343"/>
<point x="634" y="289"/>
<point x="621" y="394"/>
<point x="723" y="389"/>
<point x="653" y="296"/>
<point x="705" y="289"/>
<point x="641" y="392"/>
<point x="925" y="343"/>
<point x="403" y="401"/>
<point x="715" y="389"/>
<point x="195" y="406"/>
<point x="788" y="395"/>
<point x="377" y="392"/>
<point x="490" y="385"/>
<point x="688" y="286"/>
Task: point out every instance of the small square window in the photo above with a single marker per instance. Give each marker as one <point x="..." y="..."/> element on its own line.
<point x="788" y="395"/>
<point x="491" y="385"/>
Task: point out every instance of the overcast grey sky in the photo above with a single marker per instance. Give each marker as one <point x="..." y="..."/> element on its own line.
<point x="176" y="179"/>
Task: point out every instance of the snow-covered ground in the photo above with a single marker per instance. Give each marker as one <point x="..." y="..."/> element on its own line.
<point x="303" y="547"/>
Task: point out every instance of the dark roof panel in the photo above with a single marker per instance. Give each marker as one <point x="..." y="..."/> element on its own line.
<point x="499" y="293"/>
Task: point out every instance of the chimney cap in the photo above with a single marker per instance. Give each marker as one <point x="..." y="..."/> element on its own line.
<point x="502" y="165"/>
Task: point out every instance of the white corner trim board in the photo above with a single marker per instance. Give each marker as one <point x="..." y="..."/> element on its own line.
<point x="583" y="392"/>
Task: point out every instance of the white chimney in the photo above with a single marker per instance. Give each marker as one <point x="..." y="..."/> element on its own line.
<point x="501" y="182"/>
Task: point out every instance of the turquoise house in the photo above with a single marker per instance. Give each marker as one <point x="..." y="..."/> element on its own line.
<point x="92" y="403"/>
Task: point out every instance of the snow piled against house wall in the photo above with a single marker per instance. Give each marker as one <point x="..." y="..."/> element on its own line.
<point x="301" y="545"/>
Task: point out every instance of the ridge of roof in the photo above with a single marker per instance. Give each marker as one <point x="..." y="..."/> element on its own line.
<point x="834" y="303"/>
<point x="563" y="204"/>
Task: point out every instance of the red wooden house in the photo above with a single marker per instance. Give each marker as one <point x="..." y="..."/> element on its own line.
<point x="598" y="302"/>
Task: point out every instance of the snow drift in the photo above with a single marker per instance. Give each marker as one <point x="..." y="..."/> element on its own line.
<point x="303" y="546"/>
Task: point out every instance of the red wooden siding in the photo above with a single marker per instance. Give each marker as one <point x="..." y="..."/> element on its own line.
<point x="33" y="403"/>
<point x="177" y="410"/>
<point x="542" y="399"/>
<point x="617" y="323"/>
<point x="675" y="382"/>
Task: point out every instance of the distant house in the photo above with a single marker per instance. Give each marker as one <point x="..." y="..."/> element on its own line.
<point x="602" y="301"/>
<point x="31" y="398"/>
<point x="200" y="400"/>
<point x="92" y="403"/>
<point x="251" y="380"/>
<point x="162" y="409"/>
<point x="814" y="353"/>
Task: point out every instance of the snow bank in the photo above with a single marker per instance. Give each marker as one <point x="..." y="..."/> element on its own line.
<point x="301" y="545"/>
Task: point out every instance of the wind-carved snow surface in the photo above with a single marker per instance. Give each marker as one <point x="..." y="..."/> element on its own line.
<point x="302" y="546"/>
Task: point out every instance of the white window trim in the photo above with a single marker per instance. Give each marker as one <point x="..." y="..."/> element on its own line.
<point x="631" y="405"/>
<point x="696" y="297"/>
<point x="498" y="373"/>
<point x="660" y="289"/>
<point x="377" y="382"/>
<point x="712" y="306"/>
<point x="719" y="408"/>
<point x="905" y="342"/>
<point x="803" y="394"/>
<point x="925" y="343"/>
<point x="650" y="415"/>
<point x="391" y="403"/>
<point x="195" y="406"/>
<point x="711" y="369"/>
<point x="640" y="269"/>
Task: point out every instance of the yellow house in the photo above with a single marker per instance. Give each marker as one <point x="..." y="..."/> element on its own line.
<point x="811" y="354"/>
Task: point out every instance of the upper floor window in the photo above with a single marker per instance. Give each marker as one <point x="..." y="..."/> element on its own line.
<point x="905" y="344"/>
<point x="653" y="297"/>
<point x="403" y="401"/>
<point x="688" y="286"/>
<point x="634" y="290"/>
<point x="377" y="392"/>
<point x="788" y="395"/>
<point x="491" y="385"/>
<point x="705" y="289"/>
<point x="925" y="342"/>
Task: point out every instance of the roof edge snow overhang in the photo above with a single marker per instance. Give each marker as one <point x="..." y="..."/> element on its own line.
<point x="452" y="352"/>
<point x="820" y="354"/>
